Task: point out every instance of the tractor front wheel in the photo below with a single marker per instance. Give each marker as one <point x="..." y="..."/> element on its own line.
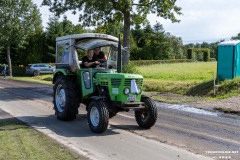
<point x="147" y="117"/>
<point x="97" y="116"/>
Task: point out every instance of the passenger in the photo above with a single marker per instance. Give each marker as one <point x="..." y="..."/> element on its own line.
<point x="88" y="61"/>
<point x="99" y="55"/>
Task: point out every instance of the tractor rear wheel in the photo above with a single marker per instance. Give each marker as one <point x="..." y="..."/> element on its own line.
<point x="147" y="117"/>
<point x="97" y="116"/>
<point x="65" y="98"/>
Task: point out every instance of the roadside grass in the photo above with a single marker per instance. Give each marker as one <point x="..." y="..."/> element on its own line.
<point x="229" y="88"/>
<point x="43" y="79"/>
<point x="19" y="141"/>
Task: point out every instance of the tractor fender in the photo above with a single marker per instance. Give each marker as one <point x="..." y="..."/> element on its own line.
<point x="93" y="98"/>
<point x="145" y="96"/>
<point x="56" y="75"/>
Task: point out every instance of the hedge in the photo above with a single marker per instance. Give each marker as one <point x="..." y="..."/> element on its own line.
<point x="16" y="70"/>
<point x="150" y="62"/>
<point x="19" y="71"/>
<point x="199" y="54"/>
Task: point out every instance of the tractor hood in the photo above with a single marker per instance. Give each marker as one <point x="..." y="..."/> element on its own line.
<point x="119" y="75"/>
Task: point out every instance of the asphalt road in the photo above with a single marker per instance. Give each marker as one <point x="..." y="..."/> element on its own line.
<point x="180" y="132"/>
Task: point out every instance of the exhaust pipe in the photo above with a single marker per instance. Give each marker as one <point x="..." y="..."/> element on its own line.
<point x="119" y="56"/>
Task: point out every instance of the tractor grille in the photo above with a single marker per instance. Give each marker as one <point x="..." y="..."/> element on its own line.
<point x="115" y="82"/>
<point x="128" y="82"/>
<point x="104" y="83"/>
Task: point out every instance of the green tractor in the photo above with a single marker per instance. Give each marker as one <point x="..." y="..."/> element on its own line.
<point x="104" y="91"/>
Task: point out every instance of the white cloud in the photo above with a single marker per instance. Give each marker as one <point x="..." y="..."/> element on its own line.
<point x="44" y="10"/>
<point x="202" y="20"/>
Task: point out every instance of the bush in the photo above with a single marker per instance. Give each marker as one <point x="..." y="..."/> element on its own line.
<point x="229" y="85"/>
<point x="212" y="59"/>
<point x="199" y="54"/>
<point x="206" y="55"/>
<point x="18" y="71"/>
<point x="130" y="68"/>
<point x="190" y="54"/>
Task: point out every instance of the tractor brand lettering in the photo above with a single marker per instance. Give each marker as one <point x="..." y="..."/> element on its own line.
<point x="101" y="35"/>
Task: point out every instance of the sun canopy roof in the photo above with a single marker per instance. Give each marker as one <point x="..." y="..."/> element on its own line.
<point x="88" y="44"/>
<point x="87" y="36"/>
<point x="88" y="41"/>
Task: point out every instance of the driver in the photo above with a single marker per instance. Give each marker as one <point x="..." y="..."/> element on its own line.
<point x="99" y="55"/>
<point x="88" y="61"/>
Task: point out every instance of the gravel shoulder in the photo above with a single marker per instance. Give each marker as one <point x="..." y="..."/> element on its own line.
<point x="228" y="105"/>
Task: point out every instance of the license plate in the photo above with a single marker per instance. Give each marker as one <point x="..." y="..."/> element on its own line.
<point x="131" y="97"/>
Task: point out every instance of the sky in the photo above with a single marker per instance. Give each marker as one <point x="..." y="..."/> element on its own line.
<point x="202" y="20"/>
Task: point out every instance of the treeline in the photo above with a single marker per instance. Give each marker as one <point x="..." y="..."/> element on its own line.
<point x="40" y="45"/>
<point x="153" y="43"/>
<point x="147" y="42"/>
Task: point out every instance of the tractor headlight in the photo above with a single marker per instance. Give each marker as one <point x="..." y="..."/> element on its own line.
<point x="126" y="91"/>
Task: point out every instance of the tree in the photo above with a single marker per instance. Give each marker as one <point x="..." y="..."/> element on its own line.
<point x="18" y="19"/>
<point x="34" y="51"/>
<point x="56" y="28"/>
<point x="236" y="37"/>
<point x="112" y="28"/>
<point x="177" y="47"/>
<point x="152" y="43"/>
<point x="97" y="12"/>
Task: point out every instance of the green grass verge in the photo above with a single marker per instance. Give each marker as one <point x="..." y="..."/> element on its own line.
<point x="19" y="141"/>
<point x="43" y="79"/>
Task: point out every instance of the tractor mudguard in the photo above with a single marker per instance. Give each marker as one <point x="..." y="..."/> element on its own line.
<point x="96" y="98"/>
<point x="93" y="98"/>
<point x="146" y="96"/>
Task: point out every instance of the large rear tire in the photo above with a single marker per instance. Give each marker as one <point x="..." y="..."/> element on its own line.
<point x="97" y="116"/>
<point x="65" y="98"/>
<point x="147" y="117"/>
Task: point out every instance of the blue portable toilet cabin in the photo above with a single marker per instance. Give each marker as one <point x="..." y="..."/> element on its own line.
<point x="228" y="64"/>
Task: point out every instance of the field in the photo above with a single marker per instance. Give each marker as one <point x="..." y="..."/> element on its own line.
<point x="187" y="72"/>
<point x="178" y="78"/>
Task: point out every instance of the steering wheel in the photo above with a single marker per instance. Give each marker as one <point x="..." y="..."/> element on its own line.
<point x="103" y="64"/>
